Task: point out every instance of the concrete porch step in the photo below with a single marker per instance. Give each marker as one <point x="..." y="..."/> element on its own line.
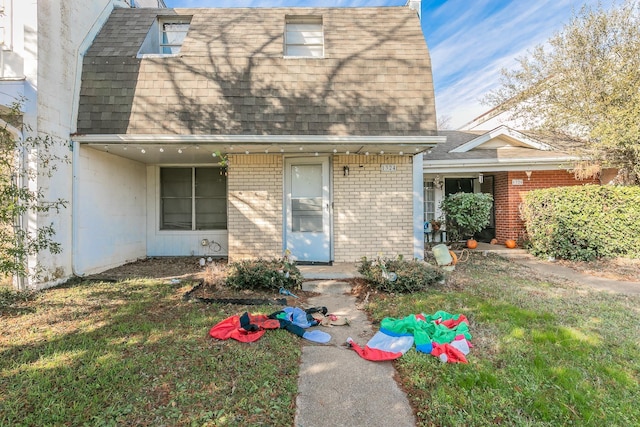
<point x="327" y="287"/>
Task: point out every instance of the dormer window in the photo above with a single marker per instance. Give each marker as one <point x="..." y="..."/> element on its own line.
<point x="165" y="37"/>
<point x="304" y="37"/>
<point x="172" y="35"/>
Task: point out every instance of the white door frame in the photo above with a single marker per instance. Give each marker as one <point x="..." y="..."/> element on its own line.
<point x="320" y="243"/>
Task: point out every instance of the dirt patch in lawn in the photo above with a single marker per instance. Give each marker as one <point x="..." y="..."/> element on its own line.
<point x="162" y="268"/>
<point x="208" y="280"/>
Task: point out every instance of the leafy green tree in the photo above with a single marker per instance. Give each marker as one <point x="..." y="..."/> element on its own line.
<point x="23" y="160"/>
<point x="581" y="91"/>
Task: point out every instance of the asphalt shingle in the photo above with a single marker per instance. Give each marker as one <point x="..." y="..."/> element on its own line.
<point x="231" y="78"/>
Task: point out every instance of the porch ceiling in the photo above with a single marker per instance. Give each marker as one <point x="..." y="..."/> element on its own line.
<point x="192" y="150"/>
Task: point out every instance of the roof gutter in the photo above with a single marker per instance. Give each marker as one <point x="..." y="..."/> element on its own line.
<point x="484" y="166"/>
<point x="257" y="139"/>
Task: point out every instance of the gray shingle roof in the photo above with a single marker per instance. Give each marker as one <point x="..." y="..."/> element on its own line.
<point x="457" y="138"/>
<point x="230" y="77"/>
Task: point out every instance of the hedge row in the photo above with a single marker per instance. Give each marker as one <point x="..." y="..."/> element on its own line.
<point x="583" y="222"/>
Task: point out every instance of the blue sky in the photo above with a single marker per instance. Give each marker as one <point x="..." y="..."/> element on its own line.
<point x="470" y="41"/>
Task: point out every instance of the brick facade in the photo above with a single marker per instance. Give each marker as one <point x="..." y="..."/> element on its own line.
<point x="255" y="206"/>
<point x="508" y="197"/>
<point x="373" y="209"/>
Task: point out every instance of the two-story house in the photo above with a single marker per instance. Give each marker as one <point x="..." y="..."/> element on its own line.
<point x="248" y="132"/>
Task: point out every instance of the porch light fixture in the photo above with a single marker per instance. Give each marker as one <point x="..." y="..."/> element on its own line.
<point x="161" y="150"/>
<point x="345" y="170"/>
<point x="381" y="152"/>
<point x="401" y="153"/>
<point x="480" y="178"/>
<point x="528" y="175"/>
<point x="179" y="150"/>
<point x="143" y="151"/>
<point x="437" y="182"/>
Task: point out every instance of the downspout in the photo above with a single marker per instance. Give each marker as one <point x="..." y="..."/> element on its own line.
<point x="75" y="208"/>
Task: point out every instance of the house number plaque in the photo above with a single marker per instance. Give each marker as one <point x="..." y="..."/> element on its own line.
<point x="387" y="168"/>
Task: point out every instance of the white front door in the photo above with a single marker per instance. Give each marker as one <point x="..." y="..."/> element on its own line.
<point x="308" y="209"/>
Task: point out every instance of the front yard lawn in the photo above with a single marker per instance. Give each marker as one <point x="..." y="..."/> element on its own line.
<point x="134" y="352"/>
<point x="545" y="353"/>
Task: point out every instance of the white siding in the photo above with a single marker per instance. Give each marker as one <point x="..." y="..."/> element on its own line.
<point x="110" y="212"/>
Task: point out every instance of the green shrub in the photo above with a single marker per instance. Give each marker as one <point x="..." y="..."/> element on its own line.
<point x="583" y="223"/>
<point x="398" y="275"/>
<point x="466" y="214"/>
<point x="262" y="274"/>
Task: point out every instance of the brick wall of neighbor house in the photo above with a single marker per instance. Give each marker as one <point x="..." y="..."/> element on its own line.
<point x="373" y="209"/>
<point x="255" y="206"/>
<point x="508" y="197"/>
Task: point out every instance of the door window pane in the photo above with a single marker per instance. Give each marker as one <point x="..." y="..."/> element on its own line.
<point x="306" y="198"/>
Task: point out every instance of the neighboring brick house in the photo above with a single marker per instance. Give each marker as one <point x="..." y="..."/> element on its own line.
<point x="503" y="162"/>
<point x="246" y="132"/>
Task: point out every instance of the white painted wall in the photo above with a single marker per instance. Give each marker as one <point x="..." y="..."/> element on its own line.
<point x="110" y="211"/>
<point x="40" y="61"/>
<point x="63" y="26"/>
<point x="174" y="242"/>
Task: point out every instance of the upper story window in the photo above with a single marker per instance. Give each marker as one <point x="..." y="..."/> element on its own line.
<point x="172" y="35"/>
<point x="165" y="36"/>
<point x="304" y="37"/>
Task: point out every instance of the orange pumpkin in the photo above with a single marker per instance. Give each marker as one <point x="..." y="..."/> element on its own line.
<point x="510" y="243"/>
<point x="472" y="244"/>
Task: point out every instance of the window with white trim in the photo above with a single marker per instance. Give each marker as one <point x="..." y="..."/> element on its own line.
<point x="193" y="198"/>
<point x="429" y="201"/>
<point x="304" y="37"/>
<point x="165" y="37"/>
<point x="172" y="34"/>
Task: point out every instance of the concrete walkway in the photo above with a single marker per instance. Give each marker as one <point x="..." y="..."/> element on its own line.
<point x="336" y="387"/>
<point x="552" y="269"/>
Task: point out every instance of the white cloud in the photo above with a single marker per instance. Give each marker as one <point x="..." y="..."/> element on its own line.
<point x="469" y="48"/>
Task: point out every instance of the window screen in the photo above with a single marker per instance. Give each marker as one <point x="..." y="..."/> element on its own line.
<point x="193" y="199"/>
<point x="304" y="37"/>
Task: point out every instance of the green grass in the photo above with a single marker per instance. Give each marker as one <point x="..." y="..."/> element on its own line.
<point x="135" y="353"/>
<point x="545" y="354"/>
